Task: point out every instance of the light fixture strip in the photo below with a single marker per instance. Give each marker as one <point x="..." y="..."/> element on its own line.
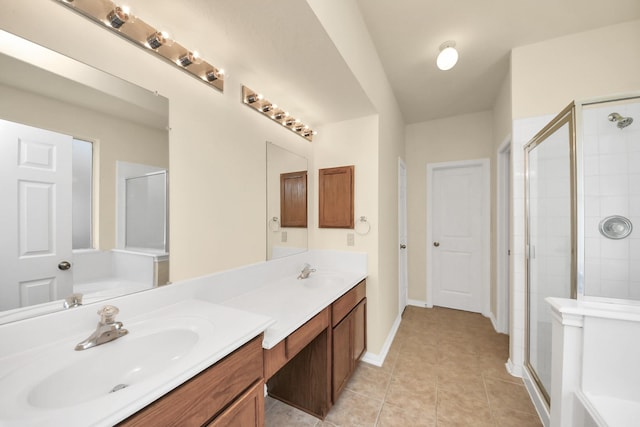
<point x="263" y="106"/>
<point x="118" y="19"/>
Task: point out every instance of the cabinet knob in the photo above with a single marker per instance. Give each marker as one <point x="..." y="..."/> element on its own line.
<point x="403" y="246"/>
<point x="436" y="244"/>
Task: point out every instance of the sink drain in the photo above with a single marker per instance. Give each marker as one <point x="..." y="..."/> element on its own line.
<point x="118" y="388"/>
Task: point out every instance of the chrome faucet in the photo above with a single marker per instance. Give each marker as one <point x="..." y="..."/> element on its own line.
<point x="306" y="271"/>
<point x="108" y="329"/>
<point x="73" y="300"/>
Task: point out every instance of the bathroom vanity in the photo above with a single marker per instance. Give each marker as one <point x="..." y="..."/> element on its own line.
<point x="310" y="367"/>
<point x="198" y="352"/>
<point x="228" y="393"/>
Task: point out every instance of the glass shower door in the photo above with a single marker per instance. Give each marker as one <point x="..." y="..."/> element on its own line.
<point x="550" y="254"/>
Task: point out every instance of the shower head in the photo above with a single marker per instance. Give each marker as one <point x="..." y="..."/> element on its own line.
<point x="622" y="122"/>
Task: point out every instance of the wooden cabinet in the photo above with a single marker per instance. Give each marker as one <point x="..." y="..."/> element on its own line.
<point x="298" y="369"/>
<point x="335" y="187"/>
<point x="246" y="411"/>
<point x="310" y="367"/>
<point x="227" y="393"/>
<point x="349" y="336"/>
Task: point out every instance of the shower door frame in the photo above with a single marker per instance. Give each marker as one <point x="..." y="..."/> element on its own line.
<point x="566" y="116"/>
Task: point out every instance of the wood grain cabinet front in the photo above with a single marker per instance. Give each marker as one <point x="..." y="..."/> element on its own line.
<point x="229" y="393"/>
<point x="349" y="336"/>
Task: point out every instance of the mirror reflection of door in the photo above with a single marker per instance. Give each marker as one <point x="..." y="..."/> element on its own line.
<point x="35" y="221"/>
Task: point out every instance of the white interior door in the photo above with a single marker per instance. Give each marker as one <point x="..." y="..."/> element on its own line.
<point x="403" y="278"/>
<point x="458" y="223"/>
<point x="35" y="220"/>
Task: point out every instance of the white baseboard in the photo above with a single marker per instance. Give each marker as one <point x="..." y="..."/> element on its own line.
<point x="494" y="322"/>
<point x="514" y="370"/>
<point x="378" y="359"/>
<point x="416" y="303"/>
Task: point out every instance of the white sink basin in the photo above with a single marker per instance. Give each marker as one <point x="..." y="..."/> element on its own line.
<point x="112" y="367"/>
<point x="322" y="279"/>
<point x="52" y="384"/>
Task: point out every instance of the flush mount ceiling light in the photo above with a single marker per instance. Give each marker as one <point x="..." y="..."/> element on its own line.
<point x="448" y="56"/>
<point x="268" y="109"/>
<point x="120" y="20"/>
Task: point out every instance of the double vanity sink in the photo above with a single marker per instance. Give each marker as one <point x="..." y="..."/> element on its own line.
<point x="186" y="329"/>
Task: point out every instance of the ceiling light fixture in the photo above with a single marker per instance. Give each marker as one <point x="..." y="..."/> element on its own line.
<point x="448" y="56"/>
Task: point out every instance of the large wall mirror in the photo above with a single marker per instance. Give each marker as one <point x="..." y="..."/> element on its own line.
<point x="84" y="160"/>
<point x="287" y="202"/>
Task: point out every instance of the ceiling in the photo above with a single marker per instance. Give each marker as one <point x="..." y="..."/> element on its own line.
<point x="408" y="33"/>
<point x="281" y="49"/>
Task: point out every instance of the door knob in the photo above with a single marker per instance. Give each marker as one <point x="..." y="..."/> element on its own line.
<point x="64" y="265"/>
<point x="403" y="246"/>
<point x="436" y="244"/>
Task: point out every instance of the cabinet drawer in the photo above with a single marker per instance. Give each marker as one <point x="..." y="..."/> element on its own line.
<point x="247" y="411"/>
<point x="306" y="333"/>
<point x="347" y="302"/>
<point x="198" y="400"/>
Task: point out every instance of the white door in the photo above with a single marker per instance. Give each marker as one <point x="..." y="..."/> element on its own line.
<point x="458" y="264"/>
<point x="35" y="220"/>
<point x="403" y="279"/>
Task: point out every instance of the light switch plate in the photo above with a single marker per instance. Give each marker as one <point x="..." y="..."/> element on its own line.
<point x="284" y="237"/>
<point x="350" y="239"/>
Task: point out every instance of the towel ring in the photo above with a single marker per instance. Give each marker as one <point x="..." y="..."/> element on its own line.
<point x="363" y="226"/>
<point x="274" y="224"/>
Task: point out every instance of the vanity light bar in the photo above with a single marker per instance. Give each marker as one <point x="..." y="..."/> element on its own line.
<point x="256" y="101"/>
<point x="120" y="20"/>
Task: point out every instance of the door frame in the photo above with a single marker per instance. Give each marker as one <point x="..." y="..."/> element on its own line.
<point x="503" y="236"/>
<point x="403" y="282"/>
<point x="486" y="232"/>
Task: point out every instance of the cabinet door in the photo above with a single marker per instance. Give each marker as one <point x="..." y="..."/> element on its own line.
<point x="359" y="331"/>
<point x="335" y="186"/>
<point x="247" y="411"/>
<point x="342" y="355"/>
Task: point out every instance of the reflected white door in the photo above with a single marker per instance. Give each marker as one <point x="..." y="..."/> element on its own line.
<point x="35" y="220"/>
<point x="458" y="223"/>
<point x="403" y="279"/>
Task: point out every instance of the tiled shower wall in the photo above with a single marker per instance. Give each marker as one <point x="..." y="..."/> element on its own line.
<point x="611" y="187"/>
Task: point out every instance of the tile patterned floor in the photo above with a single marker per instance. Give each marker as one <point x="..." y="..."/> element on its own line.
<point x="445" y="368"/>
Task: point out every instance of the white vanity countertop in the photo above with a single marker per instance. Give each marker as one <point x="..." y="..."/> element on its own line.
<point x="291" y="302"/>
<point x="55" y="385"/>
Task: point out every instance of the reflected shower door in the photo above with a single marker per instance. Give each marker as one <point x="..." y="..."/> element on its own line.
<point x="146" y="212"/>
<point x="550" y="236"/>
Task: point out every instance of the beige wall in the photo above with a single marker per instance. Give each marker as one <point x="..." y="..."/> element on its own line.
<point x="547" y="76"/>
<point x="456" y="138"/>
<point x="114" y="139"/>
<point x="344" y="24"/>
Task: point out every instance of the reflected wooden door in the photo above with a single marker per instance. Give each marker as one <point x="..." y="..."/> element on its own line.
<point x="35" y="221"/>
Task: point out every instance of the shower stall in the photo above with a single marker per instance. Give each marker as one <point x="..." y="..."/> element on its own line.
<point x="582" y="201"/>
